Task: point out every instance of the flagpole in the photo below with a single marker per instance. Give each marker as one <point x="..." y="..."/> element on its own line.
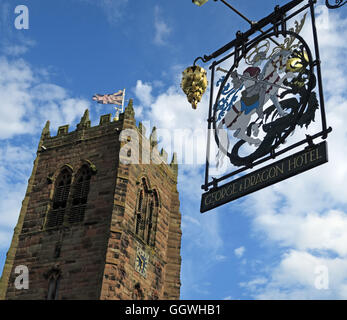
<point x="112" y="99"/>
<point x="116" y="118"/>
<point x="123" y="100"/>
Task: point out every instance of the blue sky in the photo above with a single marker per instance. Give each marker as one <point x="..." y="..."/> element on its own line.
<point x="270" y="244"/>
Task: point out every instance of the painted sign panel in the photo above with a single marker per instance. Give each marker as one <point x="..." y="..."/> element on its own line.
<point x="280" y="170"/>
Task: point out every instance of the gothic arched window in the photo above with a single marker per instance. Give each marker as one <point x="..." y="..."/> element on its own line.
<point x="146" y="213"/>
<point x="80" y="192"/>
<point x="60" y="197"/>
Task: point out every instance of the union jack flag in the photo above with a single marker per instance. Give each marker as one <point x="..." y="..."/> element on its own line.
<point x="115" y="98"/>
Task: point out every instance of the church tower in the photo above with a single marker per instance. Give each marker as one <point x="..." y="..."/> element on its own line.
<point x="93" y="225"/>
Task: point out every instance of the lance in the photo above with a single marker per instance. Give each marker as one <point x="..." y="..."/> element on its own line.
<point x="257" y="80"/>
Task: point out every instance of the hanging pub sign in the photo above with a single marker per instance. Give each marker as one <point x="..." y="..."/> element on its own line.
<point x="266" y="94"/>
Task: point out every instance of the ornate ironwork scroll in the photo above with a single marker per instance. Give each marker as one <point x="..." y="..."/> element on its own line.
<point x="338" y="4"/>
<point x="268" y="87"/>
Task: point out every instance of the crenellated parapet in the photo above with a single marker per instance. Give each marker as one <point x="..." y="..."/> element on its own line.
<point x="148" y="152"/>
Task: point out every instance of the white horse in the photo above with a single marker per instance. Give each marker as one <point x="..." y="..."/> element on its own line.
<point x="271" y="74"/>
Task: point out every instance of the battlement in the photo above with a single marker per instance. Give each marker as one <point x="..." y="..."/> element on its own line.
<point x="128" y="133"/>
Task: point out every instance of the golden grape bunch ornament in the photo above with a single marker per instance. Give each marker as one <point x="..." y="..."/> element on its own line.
<point x="194" y="84"/>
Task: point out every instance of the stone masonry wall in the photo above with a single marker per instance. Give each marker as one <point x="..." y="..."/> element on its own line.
<point x="121" y="280"/>
<point x="82" y="246"/>
<point x="96" y="257"/>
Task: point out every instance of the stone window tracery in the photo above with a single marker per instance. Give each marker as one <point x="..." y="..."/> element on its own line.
<point x="70" y="196"/>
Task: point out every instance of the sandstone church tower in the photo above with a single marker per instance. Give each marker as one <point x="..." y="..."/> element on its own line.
<point x="94" y="227"/>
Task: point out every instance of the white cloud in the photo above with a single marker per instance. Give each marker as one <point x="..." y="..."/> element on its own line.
<point x="48" y="91"/>
<point x="13" y="43"/>
<point x="27" y="100"/>
<point x="19" y="47"/>
<point x="252" y="285"/>
<point x="15" y="50"/>
<point x="113" y="9"/>
<point x="239" y="251"/>
<point x="162" y="30"/>
<point x="311" y="231"/>
<point x="15" y="79"/>
<point x="15" y="166"/>
<point x="189" y="219"/>
<point x="220" y="257"/>
<point x="301" y="275"/>
<point x="307" y="215"/>
<point x="180" y="128"/>
<point x="143" y="93"/>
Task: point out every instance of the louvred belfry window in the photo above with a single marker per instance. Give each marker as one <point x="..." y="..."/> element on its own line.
<point x="146" y="213"/>
<point x="60" y="198"/>
<point x="80" y="195"/>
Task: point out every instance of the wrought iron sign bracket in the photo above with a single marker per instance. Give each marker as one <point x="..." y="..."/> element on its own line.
<point x="309" y="141"/>
<point x="279" y="16"/>
<point x="237" y="12"/>
<point x="250" y="165"/>
<point x="273" y="153"/>
<point x="214" y="183"/>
